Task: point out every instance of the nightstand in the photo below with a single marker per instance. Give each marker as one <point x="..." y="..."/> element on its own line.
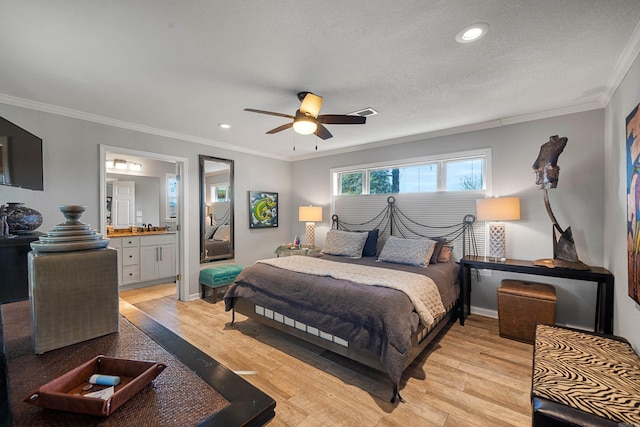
<point x="284" y="250"/>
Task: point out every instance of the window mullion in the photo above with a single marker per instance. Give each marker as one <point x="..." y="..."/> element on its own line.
<point x="365" y="181"/>
<point x="442" y="175"/>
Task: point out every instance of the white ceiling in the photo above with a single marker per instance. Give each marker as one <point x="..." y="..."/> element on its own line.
<point x="182" y="67"/>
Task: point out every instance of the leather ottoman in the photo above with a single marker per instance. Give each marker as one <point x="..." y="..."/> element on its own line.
<point x="522" y="305"/>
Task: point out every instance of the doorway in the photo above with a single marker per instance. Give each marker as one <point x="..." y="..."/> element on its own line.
<point x="162" y="194"/>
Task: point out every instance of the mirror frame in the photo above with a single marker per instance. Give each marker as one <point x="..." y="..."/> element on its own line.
<point x="203" y="209"/>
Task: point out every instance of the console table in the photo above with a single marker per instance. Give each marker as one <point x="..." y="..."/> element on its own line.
<point x="599" y="275"/>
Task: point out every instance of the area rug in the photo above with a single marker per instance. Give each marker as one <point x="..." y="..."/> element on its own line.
<point x="177" y="397"/>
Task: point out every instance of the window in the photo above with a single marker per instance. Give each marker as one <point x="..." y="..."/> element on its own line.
<point x="465" y="174"/>
<point x="351" y="182"/>
<point x="462" y="172"/>
<point x="172" y="195"/>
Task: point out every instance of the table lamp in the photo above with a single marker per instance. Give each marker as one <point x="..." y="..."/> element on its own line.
<point x="497" y="210"/>
<point x="311" y="215"/>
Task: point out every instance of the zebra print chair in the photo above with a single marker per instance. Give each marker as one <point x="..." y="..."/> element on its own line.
<point x="584" y="379"/>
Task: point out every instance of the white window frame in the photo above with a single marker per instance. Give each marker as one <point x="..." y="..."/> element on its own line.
<point x="440" y="158"/>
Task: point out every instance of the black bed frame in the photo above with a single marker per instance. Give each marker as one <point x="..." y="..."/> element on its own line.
<point x="357" y="354"/>
<point x="391" y="218"/>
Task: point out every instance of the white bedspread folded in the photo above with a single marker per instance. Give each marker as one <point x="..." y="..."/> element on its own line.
<point x="421" y="290"/>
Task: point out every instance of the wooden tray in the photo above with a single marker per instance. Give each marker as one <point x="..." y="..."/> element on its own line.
<point x="65" y="392"/>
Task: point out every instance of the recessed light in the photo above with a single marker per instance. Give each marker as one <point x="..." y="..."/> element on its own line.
<point x="472" y="32"/>
<point x="224" y="125"/>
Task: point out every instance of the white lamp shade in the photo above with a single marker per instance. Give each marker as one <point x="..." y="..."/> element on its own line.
<point x="310" y="213"/>
<point x="498" y="209"/>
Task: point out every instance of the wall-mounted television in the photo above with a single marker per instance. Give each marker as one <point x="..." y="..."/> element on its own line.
<point x="20" y="157"/>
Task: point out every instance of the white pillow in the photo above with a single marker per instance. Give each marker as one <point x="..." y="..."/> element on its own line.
<point x="222" y="233"/>
<point x="345" y="243"/>
<point x="407" y="251"/>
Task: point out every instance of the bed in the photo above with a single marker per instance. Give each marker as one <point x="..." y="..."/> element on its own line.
<point x="330" y="300"/>
<point x="217" y="240"/>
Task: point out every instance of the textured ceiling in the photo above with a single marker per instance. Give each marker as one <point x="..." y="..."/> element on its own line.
<point x="182" y="67"/>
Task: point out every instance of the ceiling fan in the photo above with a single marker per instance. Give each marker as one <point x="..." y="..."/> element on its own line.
<point x="307" y="121"/>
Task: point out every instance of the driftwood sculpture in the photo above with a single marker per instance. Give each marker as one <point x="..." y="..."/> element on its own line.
<point x="547" y="173"/>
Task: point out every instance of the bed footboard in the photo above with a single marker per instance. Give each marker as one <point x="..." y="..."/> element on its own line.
<point x="335" y="344"/>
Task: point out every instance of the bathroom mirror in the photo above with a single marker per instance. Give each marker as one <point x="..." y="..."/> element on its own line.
<point x="216" y="208"/>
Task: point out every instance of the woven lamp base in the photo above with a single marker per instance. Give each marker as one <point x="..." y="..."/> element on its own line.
<point x="497" y="240"/>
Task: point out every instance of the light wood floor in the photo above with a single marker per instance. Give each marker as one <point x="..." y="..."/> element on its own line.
<point x="468" y="377"/>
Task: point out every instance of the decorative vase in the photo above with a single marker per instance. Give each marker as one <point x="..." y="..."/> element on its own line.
<point x="20" y="218"/>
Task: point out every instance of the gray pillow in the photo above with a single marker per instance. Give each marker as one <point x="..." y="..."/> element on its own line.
<point x="407" y="251"/>
<point x="344" y="243"/>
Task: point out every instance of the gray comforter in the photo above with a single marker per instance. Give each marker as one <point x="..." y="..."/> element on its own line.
<point x="378" y="319"/>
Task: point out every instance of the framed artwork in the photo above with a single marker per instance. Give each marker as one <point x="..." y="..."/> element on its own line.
<point x="263" y="209"/>
<point x="633" y="202"/>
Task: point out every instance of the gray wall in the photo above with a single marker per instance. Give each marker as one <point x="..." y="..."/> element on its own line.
<point x="588" y="166"/>
<point x="71" y="155"/>
<point x="577" y="202"/>
<point x="627" y="96"/>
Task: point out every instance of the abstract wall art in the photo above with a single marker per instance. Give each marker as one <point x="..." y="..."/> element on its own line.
<point x="263" y="209"/>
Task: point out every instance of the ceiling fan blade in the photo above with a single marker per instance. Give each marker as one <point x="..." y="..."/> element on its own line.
<point x="341" y="119"/>
<point x="311" y="104"/>
<point x="322" y="132"/>
<point x="271" y="113"/>
<point x="280" y="128"/>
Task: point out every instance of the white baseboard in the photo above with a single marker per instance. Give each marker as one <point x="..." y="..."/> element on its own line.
<point x="484" y="312"/>
<point x="494" y="315"/>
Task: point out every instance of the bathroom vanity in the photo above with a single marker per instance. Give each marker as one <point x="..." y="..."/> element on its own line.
<point x="145" y="257"/>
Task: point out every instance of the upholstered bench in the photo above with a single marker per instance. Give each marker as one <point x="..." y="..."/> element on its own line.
<point x="584" y="379"/>
<point x="215" y="277"/>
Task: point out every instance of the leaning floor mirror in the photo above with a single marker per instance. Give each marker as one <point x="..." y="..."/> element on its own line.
<point x="216" y="209"/>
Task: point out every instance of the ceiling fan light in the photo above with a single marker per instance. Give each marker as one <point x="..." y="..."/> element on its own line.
<point x="304" y="126"/>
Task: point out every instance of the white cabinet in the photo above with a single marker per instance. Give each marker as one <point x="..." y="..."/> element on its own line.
<point x="157" y="257"/>
<point x="145" y="258"/>
<point x="116" y="243"/>
<point x="130" y="254"/>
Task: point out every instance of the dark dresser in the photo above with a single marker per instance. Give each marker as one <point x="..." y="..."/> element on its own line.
<point x="14" y="274"/>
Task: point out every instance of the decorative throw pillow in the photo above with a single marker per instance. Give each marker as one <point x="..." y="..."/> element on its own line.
<point x="344" y="243"/>
<point x="371" y="244"/>
<point x="209" y="230"/>
<point x="407" y="251"/>
<point x="440" y="242"/>
<point x="445" y="253"/>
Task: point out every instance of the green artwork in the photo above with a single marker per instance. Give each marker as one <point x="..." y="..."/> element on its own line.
<point x="263" y="209"/>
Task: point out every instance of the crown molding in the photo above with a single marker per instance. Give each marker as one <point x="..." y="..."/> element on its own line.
<point x="572" y="109"/>
<point x="67" y="112"/>
<point x="80" y="115"/>
<point x="625" y="61"/>
<point x="563" y="111"/>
